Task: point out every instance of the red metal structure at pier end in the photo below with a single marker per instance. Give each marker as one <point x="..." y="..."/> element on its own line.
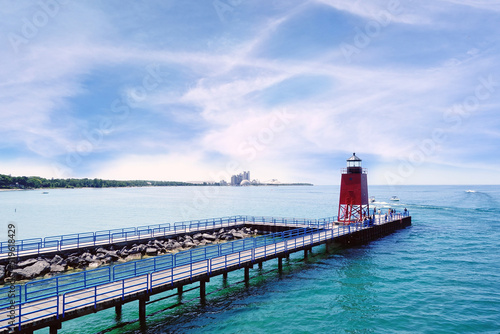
<point x="353" y="202"/>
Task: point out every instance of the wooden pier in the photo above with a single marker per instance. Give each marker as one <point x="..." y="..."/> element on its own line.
<point x="56" y="307"/>
<point x="122" y="237"/>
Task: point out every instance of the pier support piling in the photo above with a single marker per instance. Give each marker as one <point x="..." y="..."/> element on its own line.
<point x="305" y="254"/>
<point x="53" y="328"/>
<point x="142" y="310"/>
<point x="203" y="298"/>
<point x="260" y="265"/>
<point x="118" y="310"/>
<point x="280" y="264"/>
<point x="224" y="279"/>
<point x="247" y="276"/>
<point x="179" y="291"/>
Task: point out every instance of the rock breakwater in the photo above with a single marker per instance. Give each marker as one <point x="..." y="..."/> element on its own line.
<point x="90" y="258"/>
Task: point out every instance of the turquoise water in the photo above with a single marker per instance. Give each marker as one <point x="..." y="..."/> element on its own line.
<point x="442" y="275"/>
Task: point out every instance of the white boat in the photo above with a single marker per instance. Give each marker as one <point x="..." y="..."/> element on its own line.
<point x="372" y="199"/>
<point x="45" y="192"/>
<point x="394" y="198"/>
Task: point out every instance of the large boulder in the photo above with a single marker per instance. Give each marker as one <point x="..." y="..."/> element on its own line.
<point x="55" y="268"/>
<point x="151" y="251"/>
<point x="142" y="248"/>
<point x="37" y="269"/>
<point x="103" y="253"/>
<point x="57" y="260"/>
<point x="123" y="252"/>
<point x="189" y="244"/>
<point x="2" y="273"/>
<point x="88" y="258"/>
<point x="159" y="244"/>
<point x="134" y="250"/>
<point x="210" y="237"/>
<point x="26" y="263"/>
<point x="169" y="245"/>
<point x="138" y="249"/>
<point x="86" y="254"/>
<point x="113" y="255"/>
<point x="238" y="235"/>
<point x="95" y="264"/>
<point x="73" y="261"/>
<point x="101" y="250"/>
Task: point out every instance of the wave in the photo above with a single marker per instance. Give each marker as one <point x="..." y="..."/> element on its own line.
<point x="480" y="198"/>
<point x="473" y="211"/>
<point x="388" y="205"/>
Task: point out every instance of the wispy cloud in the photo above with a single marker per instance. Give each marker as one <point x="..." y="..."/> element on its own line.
<point x="481" y="4"/>
<point x="218" y="87"/>
<point x="383" y="11"/>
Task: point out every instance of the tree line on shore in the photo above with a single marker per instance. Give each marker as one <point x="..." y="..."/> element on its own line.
<point x="34" y="182"/>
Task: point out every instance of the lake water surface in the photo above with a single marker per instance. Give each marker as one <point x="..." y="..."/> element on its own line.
<point x="441" y="275"/>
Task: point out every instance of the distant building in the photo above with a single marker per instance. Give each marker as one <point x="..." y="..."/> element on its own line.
<point x="245" y="183"/>
<point x="237" y="179"/>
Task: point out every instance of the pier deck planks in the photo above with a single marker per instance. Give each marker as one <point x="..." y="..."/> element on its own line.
<point x="42" y="313"/>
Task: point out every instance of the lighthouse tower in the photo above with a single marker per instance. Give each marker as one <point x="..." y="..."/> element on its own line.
<point x="353" y="203"/>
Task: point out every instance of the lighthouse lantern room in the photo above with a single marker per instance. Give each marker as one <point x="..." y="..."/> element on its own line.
<point x="353" y="202"/>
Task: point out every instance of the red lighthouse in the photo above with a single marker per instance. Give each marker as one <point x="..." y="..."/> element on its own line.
<point x="353" y="203"/>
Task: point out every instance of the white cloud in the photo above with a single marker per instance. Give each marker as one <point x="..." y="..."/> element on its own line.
<point x="490" y="5"/>
<point x="178" y="167"/>
<point x="378" y="10"/>
<point x="384" y="107"/>
<point x="27" y="167"/>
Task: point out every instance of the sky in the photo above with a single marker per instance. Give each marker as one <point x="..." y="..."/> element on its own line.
<point x="190" y="90"/>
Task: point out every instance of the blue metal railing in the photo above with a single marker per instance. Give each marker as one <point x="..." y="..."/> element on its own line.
<point x="89" y="239"/>
<point x="105" y="284"/>
<point x="47" y="287"/>
<point x="91" y="284"/>
<point x="262" y="247"/>
<point x="56" y="285"/>
<point x="44" y="288"/>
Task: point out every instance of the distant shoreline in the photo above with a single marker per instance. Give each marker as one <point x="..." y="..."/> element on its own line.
<point x="190" y="185"/>
<point x="8" y="182"/>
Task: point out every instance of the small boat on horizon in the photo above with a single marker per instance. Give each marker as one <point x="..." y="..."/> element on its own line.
<point x="372" y="199"/>
<point x="45" y="192"/>
<point x="394" y="198"/>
